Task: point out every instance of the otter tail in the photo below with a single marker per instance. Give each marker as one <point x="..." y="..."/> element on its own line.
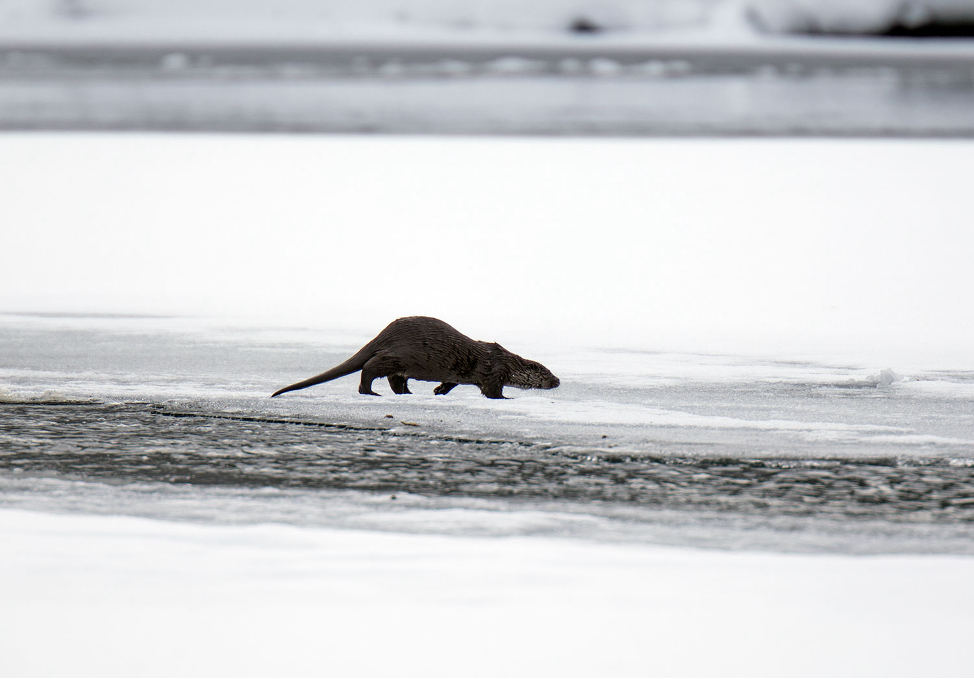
<point x="353" y="364"/>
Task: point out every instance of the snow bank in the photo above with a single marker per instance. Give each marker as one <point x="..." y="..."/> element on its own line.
<point x="125" y="596"/>
<point x="283" y="21"/>
<point x="290" y="20"/>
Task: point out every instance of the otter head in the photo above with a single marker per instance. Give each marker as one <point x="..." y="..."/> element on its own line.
<point x="525" y="374"/>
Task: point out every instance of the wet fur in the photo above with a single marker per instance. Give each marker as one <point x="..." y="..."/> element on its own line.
<point x="427" y="349"/>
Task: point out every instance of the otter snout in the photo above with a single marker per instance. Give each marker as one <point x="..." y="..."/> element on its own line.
<point x="531" y="375"/>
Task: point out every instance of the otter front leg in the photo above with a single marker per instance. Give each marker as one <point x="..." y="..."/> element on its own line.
<point x="444" y="388"/>
<point x="399" y="384"/>
<point x="492" y="390"/>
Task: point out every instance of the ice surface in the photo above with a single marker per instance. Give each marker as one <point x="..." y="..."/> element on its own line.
<point x="272" y="599"/>
<point x="612" y="400"/>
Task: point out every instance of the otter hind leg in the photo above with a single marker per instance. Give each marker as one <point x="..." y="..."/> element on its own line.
<point x="366" y="387"/>
<point x="444" y="388"/>
<point x="377" y="366"/>
<point x="399" y="384"/>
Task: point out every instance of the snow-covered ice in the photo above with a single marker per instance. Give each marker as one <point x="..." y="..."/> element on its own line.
<point x="115" y="596"/>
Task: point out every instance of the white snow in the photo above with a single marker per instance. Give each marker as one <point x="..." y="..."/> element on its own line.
<point x="299" y="20"/>
<point x="738" y="22"/>
<point x="851" y="250"/>
<point x="112" y="596"/>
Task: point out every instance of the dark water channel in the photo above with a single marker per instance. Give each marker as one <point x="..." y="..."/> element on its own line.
<point x="137" y="442"/>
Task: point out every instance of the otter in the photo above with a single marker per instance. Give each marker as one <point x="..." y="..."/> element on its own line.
<point x="429" y="350"/>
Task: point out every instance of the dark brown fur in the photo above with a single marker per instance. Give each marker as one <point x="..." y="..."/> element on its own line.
<point x="427" y="349"/>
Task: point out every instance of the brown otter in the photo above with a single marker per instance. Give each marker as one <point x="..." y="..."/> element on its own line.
<point x="427" y="349"/>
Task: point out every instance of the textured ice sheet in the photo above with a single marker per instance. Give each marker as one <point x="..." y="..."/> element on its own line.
<point x="619" y="402"/>
<point x="134" y="459"/>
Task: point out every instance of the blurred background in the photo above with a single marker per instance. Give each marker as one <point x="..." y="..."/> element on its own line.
<point x="613" y="67"/>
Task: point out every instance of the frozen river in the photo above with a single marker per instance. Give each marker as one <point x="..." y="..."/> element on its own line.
<point x="765" y="410"/>
<point x="677" y="448"/>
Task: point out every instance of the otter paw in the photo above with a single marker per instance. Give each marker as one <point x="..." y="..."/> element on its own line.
<point x="444" y="388"/>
